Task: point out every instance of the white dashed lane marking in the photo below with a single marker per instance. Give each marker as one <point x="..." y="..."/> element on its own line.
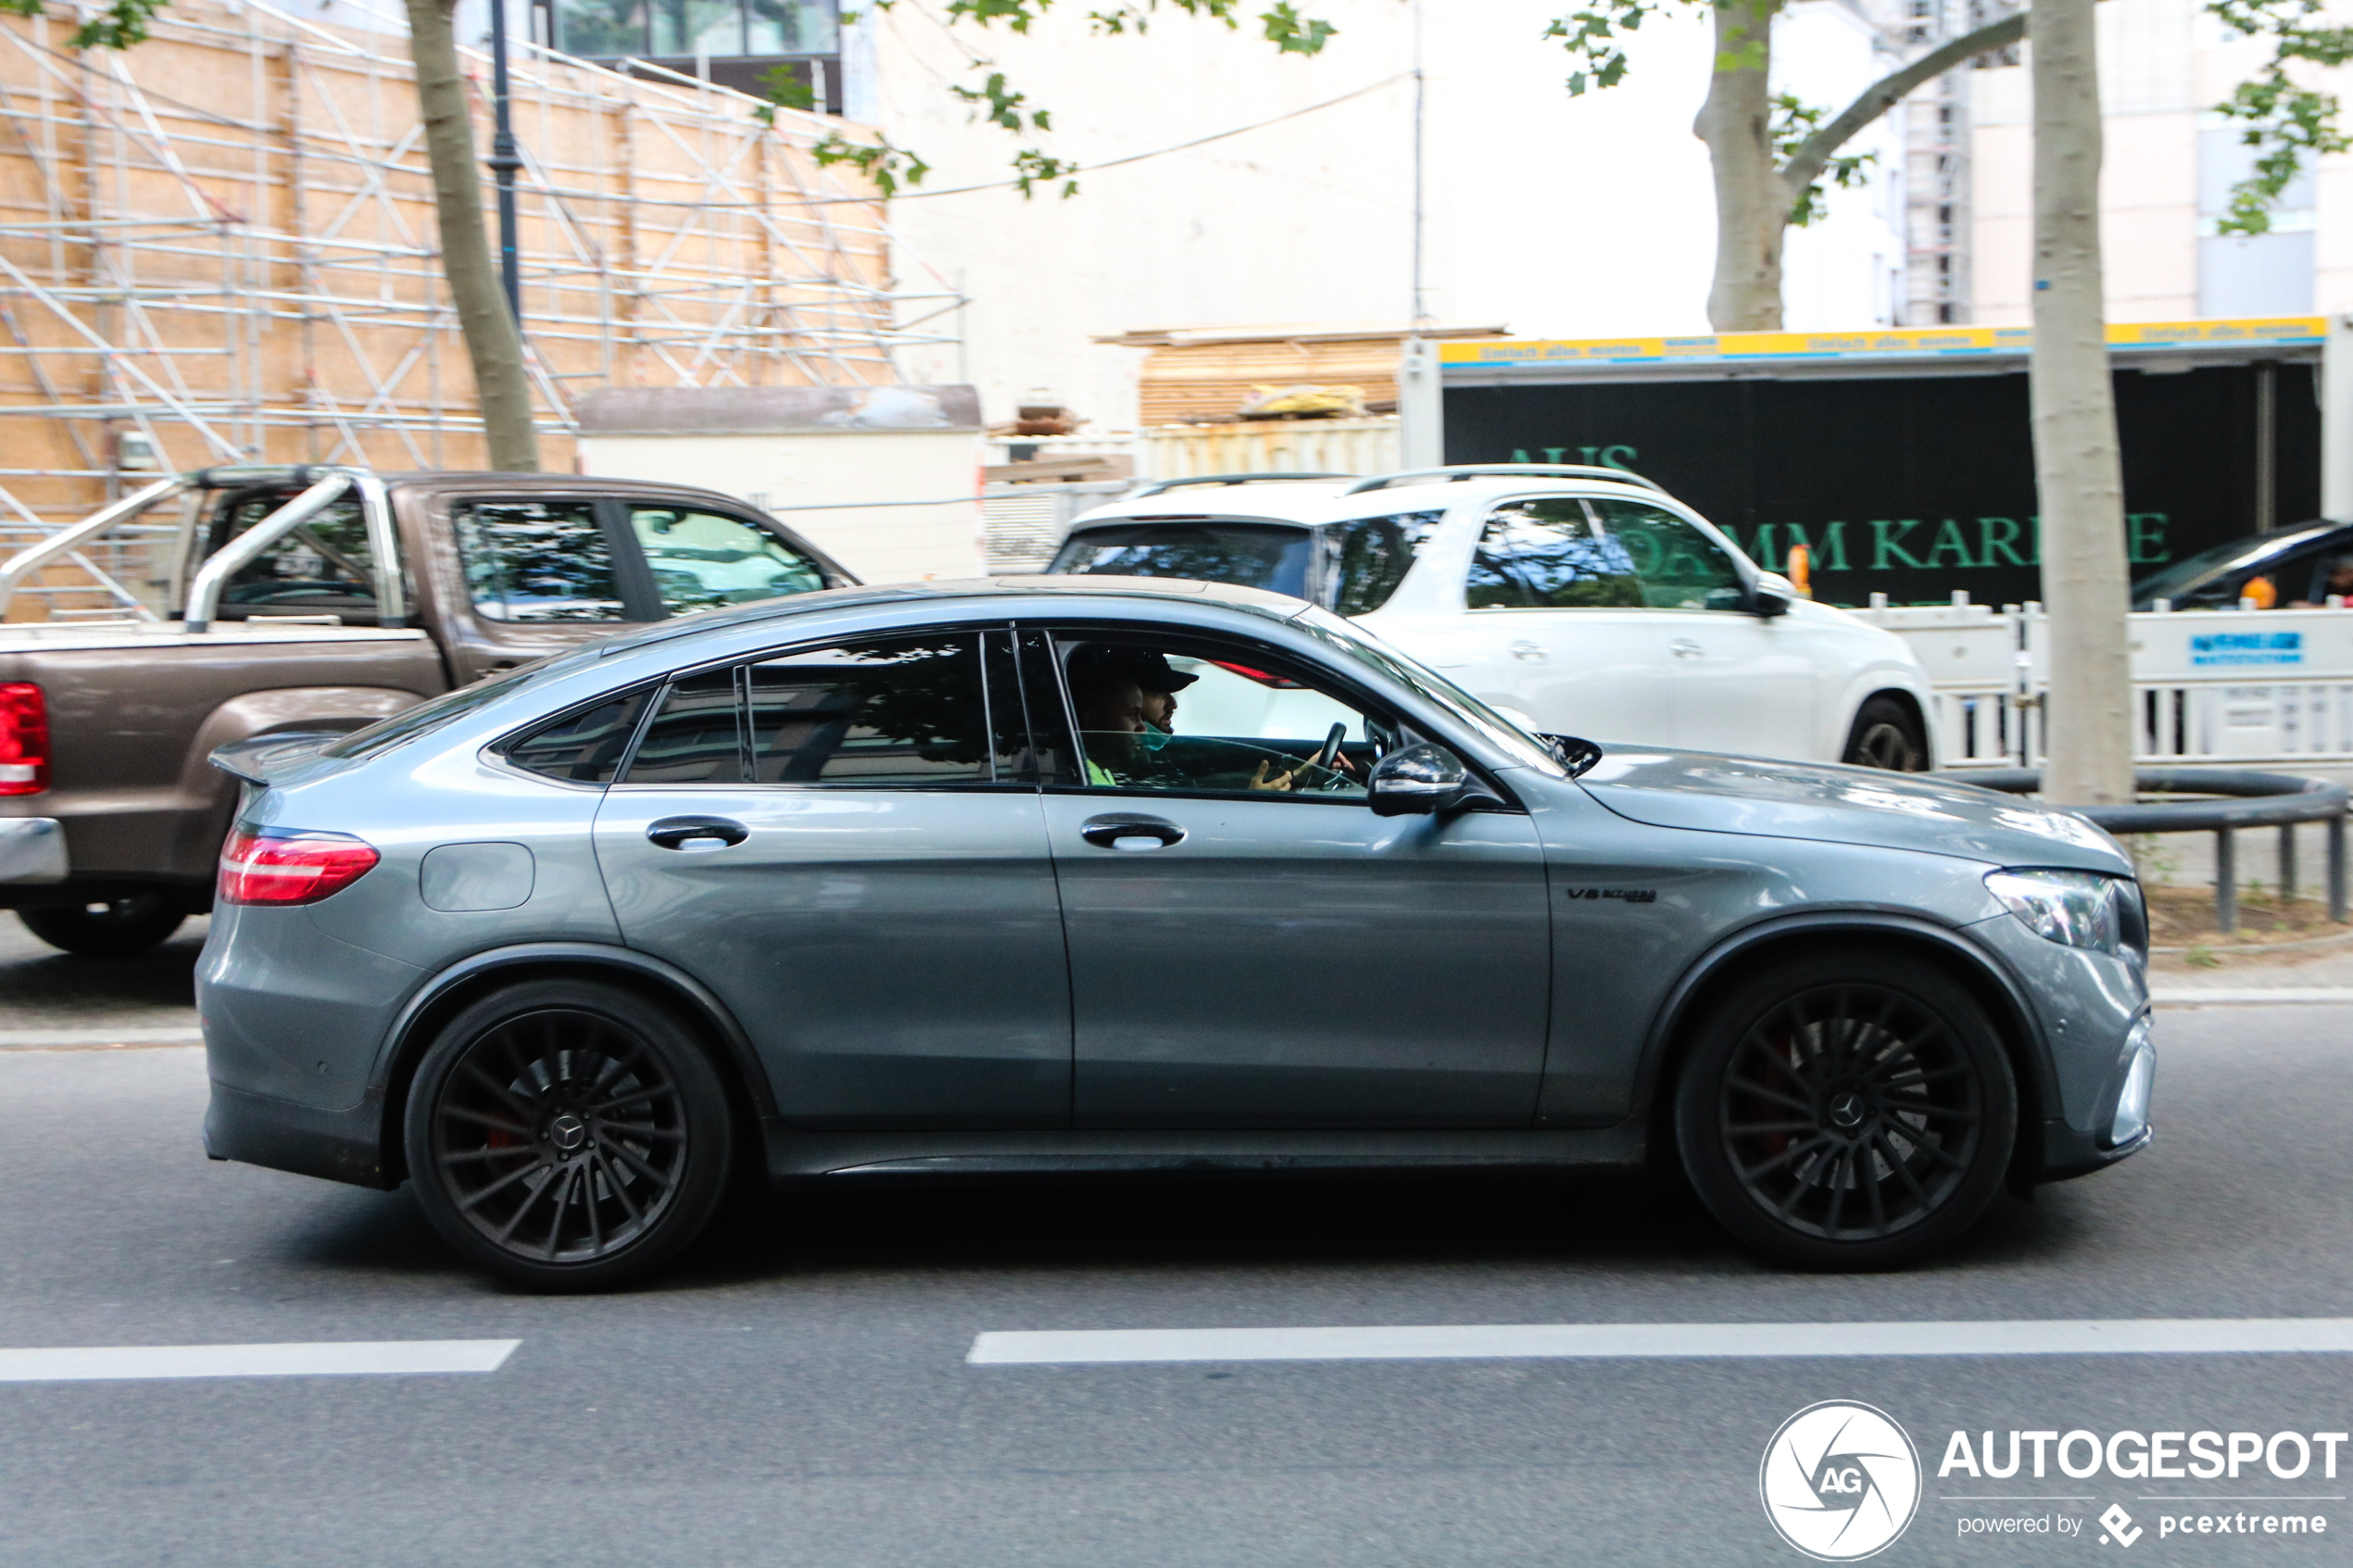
<point x="2080" y="1337"/>
<point x="106" y="1363"/>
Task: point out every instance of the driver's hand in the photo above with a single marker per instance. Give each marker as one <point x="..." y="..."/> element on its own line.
<point x="1260" y="781"/>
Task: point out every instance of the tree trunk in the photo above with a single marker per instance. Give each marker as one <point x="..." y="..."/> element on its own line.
<point x="1752" y="202"/>
<point x="2088" y="724"/>
<point x="493" y="344"/>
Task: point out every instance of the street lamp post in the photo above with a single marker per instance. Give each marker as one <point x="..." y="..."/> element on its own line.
<point x="504" y="161"/>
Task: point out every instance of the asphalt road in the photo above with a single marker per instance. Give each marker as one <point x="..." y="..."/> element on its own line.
<point x="797" y="1394"/>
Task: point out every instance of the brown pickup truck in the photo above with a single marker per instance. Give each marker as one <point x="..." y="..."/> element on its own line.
<point x="310" y="599"/>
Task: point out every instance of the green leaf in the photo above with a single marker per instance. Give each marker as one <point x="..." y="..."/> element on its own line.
<point x="2288" y="120"/>
<point x="785" y="88"/>
<point x="887" y="166"/>
<point x="1292" y="34"/>
<point x="1591" y="38"/>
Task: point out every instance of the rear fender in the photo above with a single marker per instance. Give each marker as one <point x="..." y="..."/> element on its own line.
<point x="421" y="1016"/>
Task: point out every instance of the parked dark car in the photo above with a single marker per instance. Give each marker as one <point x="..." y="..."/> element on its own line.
<point x="2298" y="561"/>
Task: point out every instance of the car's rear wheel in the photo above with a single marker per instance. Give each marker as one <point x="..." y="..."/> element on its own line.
<point x="1847" y="1112"/>
<point x="1887" y="735"/>
<point x="109" y="928"/>
<point x="567" y="1135"/>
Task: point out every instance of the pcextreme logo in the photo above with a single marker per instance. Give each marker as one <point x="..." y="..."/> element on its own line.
<point x="1840" y="1480"/>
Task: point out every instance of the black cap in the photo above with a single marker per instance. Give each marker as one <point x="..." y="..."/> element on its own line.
<point x="1151" y="670"/>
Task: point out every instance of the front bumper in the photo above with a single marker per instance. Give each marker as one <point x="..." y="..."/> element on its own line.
<point x="341" y="1145"/>
<point x="33" y="851"/>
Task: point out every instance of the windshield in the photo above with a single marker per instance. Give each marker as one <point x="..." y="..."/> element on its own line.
<point x="2183" y="577"/>
<point x="1364" y="648"/>
<point x="1252" y="555"/>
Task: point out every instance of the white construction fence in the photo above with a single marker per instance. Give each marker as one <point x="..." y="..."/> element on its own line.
<point x="2238" y="687"/>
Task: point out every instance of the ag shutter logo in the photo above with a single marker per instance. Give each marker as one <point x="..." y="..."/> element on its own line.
<point x="1840" y="1480"/>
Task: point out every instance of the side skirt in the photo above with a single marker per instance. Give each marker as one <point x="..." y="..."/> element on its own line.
<point x="793" y="1153"/>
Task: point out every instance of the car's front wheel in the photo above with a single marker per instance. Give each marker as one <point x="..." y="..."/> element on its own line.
<point x="1846" y="1112"/>
<point x="567" y="1135"/>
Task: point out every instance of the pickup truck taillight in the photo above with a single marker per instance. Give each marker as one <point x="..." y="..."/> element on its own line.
<point x="24" y="738"/>
<point x="290" y="868"/>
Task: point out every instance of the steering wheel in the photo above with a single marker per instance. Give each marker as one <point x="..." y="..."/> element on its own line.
<point x="1333" y="778"/>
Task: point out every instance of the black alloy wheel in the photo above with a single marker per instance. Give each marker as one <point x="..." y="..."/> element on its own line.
<point x="1886" y="734"/>
<point x="107" y="928"/>
<point x="1847" y="1112"/>
<point x="568" y="1136"/>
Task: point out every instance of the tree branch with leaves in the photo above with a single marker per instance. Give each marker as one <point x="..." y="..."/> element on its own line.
<point x="994" y="100"/>
<point x="1771" y="153"/>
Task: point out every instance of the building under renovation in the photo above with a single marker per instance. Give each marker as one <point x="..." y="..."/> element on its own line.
<point x="219" y="246"/>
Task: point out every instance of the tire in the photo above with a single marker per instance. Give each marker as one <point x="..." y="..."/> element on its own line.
<point x="568" y="1135"/>
<point x="1886" y="734"/>
<point x="1851" y="1110"/>
<point x="112" y="928"/>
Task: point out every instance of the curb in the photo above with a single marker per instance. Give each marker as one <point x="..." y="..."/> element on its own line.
<point x="148" y="1038"/>
<point x="2256" y="995"/>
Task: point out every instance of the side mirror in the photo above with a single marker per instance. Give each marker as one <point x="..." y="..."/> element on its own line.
<point x="1419" y="781"/>
<point x="1773" y="594"/>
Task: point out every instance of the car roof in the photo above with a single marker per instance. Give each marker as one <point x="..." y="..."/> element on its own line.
<point x="1306" y="505"/>
<point x="1039" y="590"/>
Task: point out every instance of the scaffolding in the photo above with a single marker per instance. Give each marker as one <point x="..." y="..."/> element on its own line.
<point x="1938" y="219"/>
<point x="218" y="246"/>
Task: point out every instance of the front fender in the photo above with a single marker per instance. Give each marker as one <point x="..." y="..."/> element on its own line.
<point x="2002" y="989"/>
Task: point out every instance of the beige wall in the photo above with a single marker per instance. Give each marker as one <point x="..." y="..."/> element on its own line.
<point x="881" y="543"/>
<point x="2164" y="65"/>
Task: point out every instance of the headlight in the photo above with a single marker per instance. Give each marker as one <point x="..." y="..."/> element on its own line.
<point x="2079" y="908"/>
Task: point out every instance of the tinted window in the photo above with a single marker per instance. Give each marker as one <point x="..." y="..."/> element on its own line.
<point x="1678" y="567"/>
<point x="695" y="736"/>
<point x="898" y="710"/>
<point x="1371" y="556"/>
<point x="1549" y="554"/>
<point x="705" y="560"/>
<point x="1253" y="554"/>
<point x="538" y="560"/>
<point x="585" y="745"/>
<point x="322" y="568"/>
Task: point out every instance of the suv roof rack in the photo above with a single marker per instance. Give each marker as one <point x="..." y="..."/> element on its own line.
<point x="1456" y="473"/>
<point x="1161" y="486"/>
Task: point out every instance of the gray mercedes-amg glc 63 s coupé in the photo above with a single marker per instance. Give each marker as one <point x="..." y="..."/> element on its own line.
<point x="1090" y="873"/>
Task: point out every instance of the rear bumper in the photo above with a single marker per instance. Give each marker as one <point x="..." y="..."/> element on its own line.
<point x="341" y="1145"/>
<point x="33" y="851"/>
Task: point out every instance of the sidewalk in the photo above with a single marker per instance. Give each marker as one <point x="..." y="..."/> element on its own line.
<point x="2318" y="971"/>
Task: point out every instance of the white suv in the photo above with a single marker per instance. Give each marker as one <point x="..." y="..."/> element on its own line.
<point x="1584" y="600"/>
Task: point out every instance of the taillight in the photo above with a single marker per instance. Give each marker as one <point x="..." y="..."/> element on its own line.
<point x="283" y="866"/>
<point x="24" y="738"/>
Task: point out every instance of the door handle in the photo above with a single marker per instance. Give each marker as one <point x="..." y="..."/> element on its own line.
<point x="703" y="832"/>
<point x="1526" y="651"/>
<point x="1131" y="832"/>
<point x="1684" y="647"/>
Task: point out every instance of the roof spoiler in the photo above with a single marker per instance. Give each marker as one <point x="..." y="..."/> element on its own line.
<point x="262" y="758"/>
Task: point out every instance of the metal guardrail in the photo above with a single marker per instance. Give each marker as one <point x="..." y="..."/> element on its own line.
<point x="2225" y="799"/>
